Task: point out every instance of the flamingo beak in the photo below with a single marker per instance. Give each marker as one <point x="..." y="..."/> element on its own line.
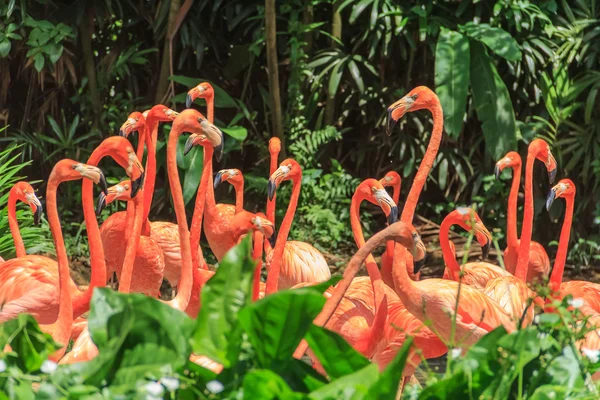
<point x="36" y="207"/>
<point x="497" y="171"/>
<point x="550" y="198"/>
<point x="551" y="167"/>
<point x="388" y="205"/>
<point x="552" y="176"/>
<point x="192" y="95"/>
<point x="188" y="100"/>
<point x="391" y="122"/>
<point x="397" y="111"/>
<point x="136" y="184"/>
<point x="419" y="253"/>
<point x="264" y="226"/>
<point x="275" y="179"/>
<point x="37" y="216"/>
<point x="102" y="184"/>
<point x="218" y="178"/>
<point x="214" y="136"/>
<point x="484" y="237"/>
<point x="273" y="238"/>
<point x="101" y="204"/>
<point x="189" y="144"/>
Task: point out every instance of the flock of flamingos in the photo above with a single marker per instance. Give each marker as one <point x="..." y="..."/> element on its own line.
<point x="374" y="313"/>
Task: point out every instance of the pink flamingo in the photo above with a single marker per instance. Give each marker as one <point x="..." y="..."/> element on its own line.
<point x="22" y="191"/>
<point x="392" y="178"/>
<point x="26" y="289"/>
<point x="539" y="263"/>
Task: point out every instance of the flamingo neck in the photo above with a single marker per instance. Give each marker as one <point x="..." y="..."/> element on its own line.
<point x="239" y="196"/>
<point x="284" y="230"/>
<point x="512" y="237"/>
<point x="140" y="148"/>
<point x="257" y="251"/>
<point x="428" y="159"/>
<point x="151" y="133"/>
<point x="271" y="202"/>
<point x="563" y="246"/>
<point x="403" y="284"/>
<point x="210" y="106"/>
<point x="61" y="329"/>
<point x="527" y="228"/>
<point x="132" y="243"/>
<point x="81" y="303"/>
<point x="206" y="181"/>
<point x="14" y="224"/>
<point x="359" y="237"/>
<point x="182" y="299"/>
<point x="448" y="254"/>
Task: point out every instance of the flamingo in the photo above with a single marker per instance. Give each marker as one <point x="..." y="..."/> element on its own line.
<point x="304" y="263"/>
<point x="392" y="178"/>
<point x="512" y="292"/>
<point x="539" y="263"/>
<point x="27" y="292"/>
<point x="476" y="274"/>
<point x="22" y="191"/>
<point x="44" y="305"/>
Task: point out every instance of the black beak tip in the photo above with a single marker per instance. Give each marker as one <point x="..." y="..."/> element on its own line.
<point x="122" y="133"/>
<point x="103" y="185"/>
<point x="217" y="181"/>
<point x="497" y="171"/>
<point x="189" y="144"/>
<point x="393" y="217"/>
<point x="550" y="199"/>
<point x="271" y="189"/>
<point x="418" y="264"/>
<point x="188" y="101"/>
<point x="37" y="216"/>
<point x="219" y="152"/>
<point x="485" y="250"/>
<point x="552" y="176"/>
<point x="391" y="123"/>
<point x="137" y="184"/>
<point x="101" y="204"/>
<point x="273" y="239"/>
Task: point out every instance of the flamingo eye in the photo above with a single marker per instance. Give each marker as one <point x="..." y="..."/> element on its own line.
<point x="414" y="96"/>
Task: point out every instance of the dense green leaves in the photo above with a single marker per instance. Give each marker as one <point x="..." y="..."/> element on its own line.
<point x="497" y="39"/>
<point x="492" y="103"/>
<point x="452" y="68"/>
<point x="218" y="334"/>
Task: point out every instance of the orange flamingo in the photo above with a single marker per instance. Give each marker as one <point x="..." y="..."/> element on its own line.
<point x="476" y="274"/>
<point x="419" y="98"/>
<point x="22" y="191"/>
<point x="302" y="264"/>
<point x="44" y="304"/>
<point x="539" y="263"/>
<point x="512" y="292"/>
<point x="24" y="289"/>
<point x="392" y="178"/>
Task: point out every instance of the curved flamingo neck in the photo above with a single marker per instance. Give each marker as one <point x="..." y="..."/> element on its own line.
<point x="140" y="148"/>
<point x="184" y="288"/>
<point x="151" y="133"/>
<point x="512" y="237"/>
<point x="563" y="246"/>
<point x="448" y="254"/>
<point x="527" y="228"/>
<point x="132" y="243"/>
<point x="284" y="230"/>
<point x="14" y="224"/>
<point x="61" y="329"/>
<point x="359" y="237"/>
<point x="201" y="200"/>
<point x="271" y="202"/>
<point x="428" y="159"/>
<point x="81" y="303"/>
<point x="239" y="196"/>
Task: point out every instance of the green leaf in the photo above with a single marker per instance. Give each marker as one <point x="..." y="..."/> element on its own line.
<point x="355" y="72"/>
<point x="358" y="9"/>
<point x="4" y="48"/>
<point x="239" y="133"/>
<point x="193" y="173"/>
<point x="492" y="103"/>
<point x="335" y="78"/>
<point x="452" y="78"/>
<point x="497" y="39"/>
<point x="354" y="386"/>
<point x="335" y="354"/>
<point x="28" y="341"/>
<point x="276" y="324"/>
<point x="217" y="333"/>
<point x="38" y="62"/>
<point x="267" y="385"/>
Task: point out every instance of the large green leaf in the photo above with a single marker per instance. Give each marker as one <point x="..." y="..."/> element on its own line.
<point x="27" y="341"/>
<point x="193" y="173"/>
<point x="217" y="333"/>
<point x="276" y="324"/>
<point x="237" y="132"/>
<point x="452" y="78"/>
<point x="267" y="385"/>
<point x="492" y="103"/>
<point x="497" y="39"/>
<point x="354" y="386"/>
<point x="335" y="354"/>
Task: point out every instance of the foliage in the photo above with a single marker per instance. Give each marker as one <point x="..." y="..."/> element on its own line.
<point x="144" y="349"/>
<point x="35" y="238"/>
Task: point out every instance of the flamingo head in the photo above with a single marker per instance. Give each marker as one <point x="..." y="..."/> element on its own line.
<point x="541" y="150"/>
<point x="26" y="194"/>
<point x="274" y="146"/>
<point x="135" y="122"/>
<point x="289" y="169"/>
<point x="70" y="170"/>
<point x="120" y="191"/>
<point x="392" y="178"/>
<point x="233" y="176"/>
<point x="209" y="135"/>
<point x="373" y="191"/>
<point x="417" y="99"/>
<point x="162" y="113"/>
<point x="203" y="91"/>
<point x="511" y="159"/>
<point x="564" y="188"/>
<point x="419" y="251"/>
<point x="468" y="219"/>
<point x="245" y="222"/>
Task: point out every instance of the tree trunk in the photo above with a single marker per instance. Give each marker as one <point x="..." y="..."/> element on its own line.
<point x="86" y="31"/>
<point x="336" y="32"/>
<point x="163" y="77"/>
<point x="271" y="31"/>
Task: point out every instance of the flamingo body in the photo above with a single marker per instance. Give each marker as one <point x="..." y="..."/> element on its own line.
<point x="83" y="349"/>
<point x="539" y="264"/>
<point x="301" y="262"/>
<point x="512" y="294"/>
<point x="478" y="274"/>
<point x="218" y="230"/>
